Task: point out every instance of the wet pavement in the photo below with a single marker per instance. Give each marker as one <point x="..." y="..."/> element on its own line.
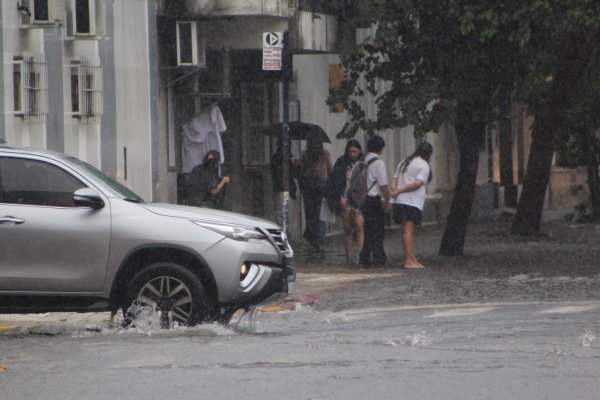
<point x="561" y="264"/>
<point x="562" y="248"/>
<point x="503" y="321"/>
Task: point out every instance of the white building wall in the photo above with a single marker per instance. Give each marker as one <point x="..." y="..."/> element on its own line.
<point x="15" y="42"/>
<point x="133" y="97"/>
<point x="311" y="73"/>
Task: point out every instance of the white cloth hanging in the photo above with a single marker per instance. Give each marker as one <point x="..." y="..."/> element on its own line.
<point x="200" y="135"/>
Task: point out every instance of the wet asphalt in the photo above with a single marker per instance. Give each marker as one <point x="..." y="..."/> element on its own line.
<point x="562" y="263"/>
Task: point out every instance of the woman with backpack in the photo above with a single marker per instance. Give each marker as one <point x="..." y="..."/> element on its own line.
<point x="408" y="185"/>
<point x="337" y="200"/>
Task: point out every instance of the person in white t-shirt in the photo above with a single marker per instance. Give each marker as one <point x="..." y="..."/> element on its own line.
<point x="408" y="197"/>
<point x="377" y="204"/>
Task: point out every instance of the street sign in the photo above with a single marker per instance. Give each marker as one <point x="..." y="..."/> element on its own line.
<point x="272" y="51"/>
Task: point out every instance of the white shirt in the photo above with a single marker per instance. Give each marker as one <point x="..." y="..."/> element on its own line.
<point x="376" y="172"/>
<point x="200" y="135"/>
<point x="417" y="169"/>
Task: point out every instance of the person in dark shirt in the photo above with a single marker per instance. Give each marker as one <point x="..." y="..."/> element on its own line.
<point x="208" y="188"/>
<point x="314" y="168"/>
<point x="336" y="199"/>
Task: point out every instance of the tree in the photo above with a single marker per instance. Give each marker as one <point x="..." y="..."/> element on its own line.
<point x="579" y="143"/>
<point x="440" y="61"/>
<point x="458" y="61"/>
<point x="561" y="46"/>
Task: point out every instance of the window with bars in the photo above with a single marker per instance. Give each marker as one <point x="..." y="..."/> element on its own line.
<point x="30" y="86"/>
<point x="86" y="88"/>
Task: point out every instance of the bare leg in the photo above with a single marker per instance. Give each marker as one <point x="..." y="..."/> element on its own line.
<point x="408" y="231"/>
<point x="359" y="229"/>
<point x="347" y="222"/>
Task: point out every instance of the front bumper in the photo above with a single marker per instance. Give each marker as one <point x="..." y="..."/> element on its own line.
<point x="275" y="284"/>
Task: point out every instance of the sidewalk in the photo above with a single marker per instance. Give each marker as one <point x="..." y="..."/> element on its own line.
<point x="562" y="248"/>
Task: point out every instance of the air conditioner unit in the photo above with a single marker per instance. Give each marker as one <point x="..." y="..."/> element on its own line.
<point x="191" y="44"/>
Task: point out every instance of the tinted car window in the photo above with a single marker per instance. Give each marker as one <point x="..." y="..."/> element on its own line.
<point x="115" y="187"/>
<point x="32" y="182"/>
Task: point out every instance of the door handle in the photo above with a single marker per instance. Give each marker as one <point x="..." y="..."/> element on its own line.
<point x="8" y="220"/>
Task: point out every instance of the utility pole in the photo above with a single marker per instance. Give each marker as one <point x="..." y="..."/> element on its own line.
<point x="285" y="134"/>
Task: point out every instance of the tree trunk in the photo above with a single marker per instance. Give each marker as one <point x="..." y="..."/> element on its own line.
<point x="529" y="211"/>
<point x="575" y="55"/>
<point x="505" y="147"/>
<point x="470" y="135"/>
<point x="593" y="166"/>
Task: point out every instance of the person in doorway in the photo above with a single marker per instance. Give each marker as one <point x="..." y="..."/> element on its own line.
<point x="314" y="167"/>
<point x="408" y="186"/>
<point x="377" y="204"/>
<point x="277" y="181"/>
<point x="352" y="218"/>
<point x="208" y="187"/>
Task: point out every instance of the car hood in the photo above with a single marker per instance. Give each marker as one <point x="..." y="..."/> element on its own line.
<point x="207" y="214"/>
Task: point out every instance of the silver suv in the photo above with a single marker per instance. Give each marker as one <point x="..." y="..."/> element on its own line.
<point x="72" y="239"/>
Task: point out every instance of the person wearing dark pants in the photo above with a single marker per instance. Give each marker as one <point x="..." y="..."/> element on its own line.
<point x="377" y="204"/>
<point x="373" y="253"/>
<point x="314" y="168"/>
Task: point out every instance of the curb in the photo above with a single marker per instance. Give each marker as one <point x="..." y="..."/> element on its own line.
<point x="290" y="304"/>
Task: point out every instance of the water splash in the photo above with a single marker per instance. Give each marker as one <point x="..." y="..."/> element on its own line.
<point x="556" y="351"/>
<point x="414" y="340"/>
<point x="587" y="338"/>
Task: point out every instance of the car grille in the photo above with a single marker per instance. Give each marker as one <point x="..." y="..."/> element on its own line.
<point x="281" y="241"/>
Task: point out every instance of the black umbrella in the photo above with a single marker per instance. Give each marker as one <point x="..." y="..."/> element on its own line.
<point x="300" y="131"/>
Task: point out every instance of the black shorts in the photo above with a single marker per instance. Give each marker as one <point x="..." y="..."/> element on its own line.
<point x="403" y="213"/>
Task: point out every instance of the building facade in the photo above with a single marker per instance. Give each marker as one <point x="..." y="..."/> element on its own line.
<point x="114" y="83"/>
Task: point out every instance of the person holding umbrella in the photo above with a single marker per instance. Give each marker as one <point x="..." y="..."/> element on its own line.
<point x="314" y="168"/>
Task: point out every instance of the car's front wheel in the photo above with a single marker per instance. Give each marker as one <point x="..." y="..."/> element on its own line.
<point x="171" y="292"/>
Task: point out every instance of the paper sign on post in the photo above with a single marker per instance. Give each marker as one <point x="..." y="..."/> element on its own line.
<point x="272" y="51"/>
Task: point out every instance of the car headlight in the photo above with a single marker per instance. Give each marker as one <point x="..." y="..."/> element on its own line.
<point x="235" y="232"/>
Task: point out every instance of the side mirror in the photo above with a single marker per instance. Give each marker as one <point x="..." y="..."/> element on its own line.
<point x="88" y="197"/>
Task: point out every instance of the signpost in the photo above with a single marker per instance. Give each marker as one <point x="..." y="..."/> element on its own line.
<point x="276" y="58"/>
<point x="272" y="51"/>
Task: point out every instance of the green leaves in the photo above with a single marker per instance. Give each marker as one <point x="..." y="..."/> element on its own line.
<point x="428" y="56"/>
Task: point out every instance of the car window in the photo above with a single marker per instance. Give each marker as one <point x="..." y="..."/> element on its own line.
<point x="33" y="182"/>
<point x="115" y="187"/>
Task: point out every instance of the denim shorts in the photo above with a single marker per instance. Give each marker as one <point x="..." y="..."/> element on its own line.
<point x="403" y="213"/>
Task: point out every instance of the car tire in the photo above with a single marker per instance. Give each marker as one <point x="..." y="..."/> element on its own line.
<point x="171" y="292"/>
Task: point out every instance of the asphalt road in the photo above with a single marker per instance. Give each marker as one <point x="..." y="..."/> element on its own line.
<point x="339" y="341"/>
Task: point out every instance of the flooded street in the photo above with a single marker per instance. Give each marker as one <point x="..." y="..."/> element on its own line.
<point x="509" y="319"/>
<point x="498" y="339"/>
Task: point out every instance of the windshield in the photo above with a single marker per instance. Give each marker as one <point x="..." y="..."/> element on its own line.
<point x="109" y="183"/>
